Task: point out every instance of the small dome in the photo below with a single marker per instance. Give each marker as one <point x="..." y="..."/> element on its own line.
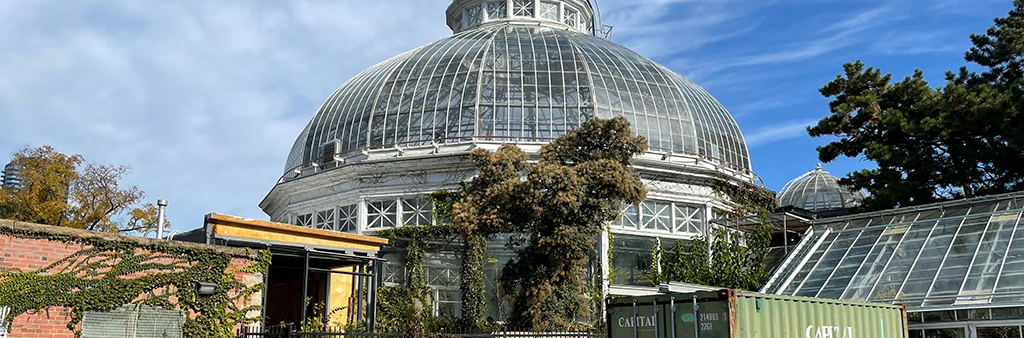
<point x="818" y="191"/>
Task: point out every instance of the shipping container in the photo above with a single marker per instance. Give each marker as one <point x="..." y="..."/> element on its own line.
<point x="742" y="314"/>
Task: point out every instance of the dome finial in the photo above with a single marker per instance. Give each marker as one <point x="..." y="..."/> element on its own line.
<point x="819" y="167"/>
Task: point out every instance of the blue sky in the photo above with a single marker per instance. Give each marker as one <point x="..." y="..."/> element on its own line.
<point x="203" y="98"/>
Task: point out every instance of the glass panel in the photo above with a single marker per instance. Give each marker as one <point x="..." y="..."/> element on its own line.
<point x="939" y="316"/>
<point x="999" y="332"/>
<point x="473" y="16"/>
<point x="304" y="220"/>
<point x="1008" y="313"/>
<point x="945" y="333"/>
<point x="656" y="215"/>
<point x="958" y="259"/>
<point x="862" y="283"/>
<point x="631" y="258"/>
<point x="981" y="279"/>
<point x="851" y="263"/>
<point x="927" y="263"/>
<point x="325" y="220"/>
<point x="1010" y="288"/>
<point x="916" y="333"/>
<point x="828" y="263"/>
<point x="381" y="214"/>
<point x="571" y="17"/>
<point x="630" y="218"/>
<point x="549" y="10"/>
<point x="417" y="211"/>
<point x="348" y="218"/>
<point x="903" y="258"/>
<point x="810" y="264"/>
<point x="689" y="219"/>
<point x="497" y="9"/>
<point x="784" y="272"/>
<point x="973" y="314"/>
<point x="449" y="303"/>
<point x="522" y="8"/>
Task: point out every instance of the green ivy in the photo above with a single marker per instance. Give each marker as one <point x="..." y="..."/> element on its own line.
<point x="611" y="256"/>
<point x="745" y="198"/>
<point x="405" y="308"/>
<point x="718" y="260"/>
<point x="97" y="279"/>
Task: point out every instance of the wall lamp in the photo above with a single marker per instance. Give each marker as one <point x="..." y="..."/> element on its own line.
<point x="206" y="289"/>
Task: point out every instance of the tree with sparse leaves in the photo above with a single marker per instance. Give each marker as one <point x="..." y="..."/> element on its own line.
<point x="931" y="144"/>
<point x="64" y="190"/>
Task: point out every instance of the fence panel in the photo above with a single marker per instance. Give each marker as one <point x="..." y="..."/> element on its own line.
<point x="287" y="331"/>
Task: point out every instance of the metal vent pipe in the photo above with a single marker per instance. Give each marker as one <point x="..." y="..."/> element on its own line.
<point x="161" y="206"/>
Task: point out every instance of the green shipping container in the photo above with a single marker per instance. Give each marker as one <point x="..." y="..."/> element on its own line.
<point x="742" y="314"/>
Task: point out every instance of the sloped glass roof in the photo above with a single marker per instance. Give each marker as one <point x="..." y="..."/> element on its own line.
<point x="967" y="253"/>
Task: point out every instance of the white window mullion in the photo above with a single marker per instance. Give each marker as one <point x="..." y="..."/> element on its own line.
<point x="399" y="215"/>
<point x="672" y="218"/>
<point x="337" y="219"/>
<point x="561" y="12"/>
<point x="361" y="213"/>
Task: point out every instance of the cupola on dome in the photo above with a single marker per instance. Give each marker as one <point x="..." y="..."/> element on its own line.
<point x="820" y="192"/>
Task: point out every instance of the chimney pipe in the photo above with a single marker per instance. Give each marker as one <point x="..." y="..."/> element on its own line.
<point x="161" y="204"/>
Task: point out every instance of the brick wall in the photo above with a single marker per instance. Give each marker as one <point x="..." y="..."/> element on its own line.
<point x="20" y="251"/>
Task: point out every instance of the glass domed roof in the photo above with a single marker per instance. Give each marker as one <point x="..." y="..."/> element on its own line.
<point x="819" y="191"/>
<point x="507" y="81"/>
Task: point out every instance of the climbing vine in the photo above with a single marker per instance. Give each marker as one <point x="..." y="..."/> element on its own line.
<point x="611" y="257"/>
<point x="405" y="308"/>
<point x="114" y="271"/>
<point x="746" y="198"/>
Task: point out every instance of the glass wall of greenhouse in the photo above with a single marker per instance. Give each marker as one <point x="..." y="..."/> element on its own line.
<point x="958" y="266"/>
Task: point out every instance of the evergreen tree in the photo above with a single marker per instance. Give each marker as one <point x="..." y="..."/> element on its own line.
<point x="961" y="140"/>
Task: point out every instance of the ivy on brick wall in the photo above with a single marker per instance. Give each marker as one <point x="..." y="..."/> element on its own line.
<point x="112" y="272"/>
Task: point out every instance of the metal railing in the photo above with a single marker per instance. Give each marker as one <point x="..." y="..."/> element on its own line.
<point x="314" y="165"/>
<point x="289" y="331"/>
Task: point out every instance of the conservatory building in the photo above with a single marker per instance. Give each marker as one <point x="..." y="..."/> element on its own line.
<point x="958" y="266"/>
<point x="521" y="72"/>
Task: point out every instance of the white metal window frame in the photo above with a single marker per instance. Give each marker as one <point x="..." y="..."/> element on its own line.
<point x="326" y="219"/>
<point x="489" y="10"/>
<point x="348" y="218"/>
<point x="663" y="217"/>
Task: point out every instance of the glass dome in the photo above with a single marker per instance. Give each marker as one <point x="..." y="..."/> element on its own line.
<point x="519" y="83"/>
<point x="819" y="191"/>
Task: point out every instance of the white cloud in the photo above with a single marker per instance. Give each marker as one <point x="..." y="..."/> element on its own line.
<point x="777" y="132"/>
<point x="202" y="98"/>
